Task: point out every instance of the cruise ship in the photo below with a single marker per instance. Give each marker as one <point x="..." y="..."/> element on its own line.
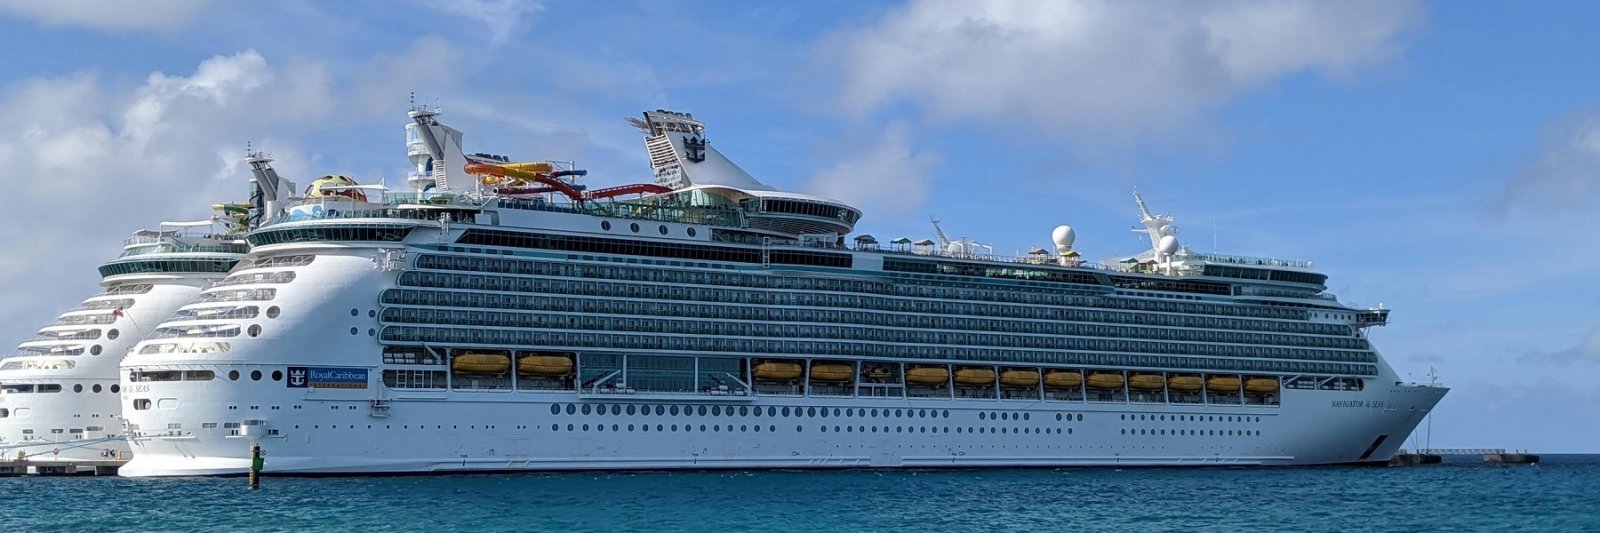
<point x="499" y="316"/>
<point x="59" y="389"/>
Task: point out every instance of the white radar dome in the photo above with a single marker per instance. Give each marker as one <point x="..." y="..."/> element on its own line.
<point x="1063" y="236"/>
<point x="1168" y="245"/>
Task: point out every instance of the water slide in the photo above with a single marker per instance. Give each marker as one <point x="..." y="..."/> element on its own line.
<point x="553" y="183"/>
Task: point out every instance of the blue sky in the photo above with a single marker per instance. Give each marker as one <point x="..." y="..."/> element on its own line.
<point x="1442" y="159"/>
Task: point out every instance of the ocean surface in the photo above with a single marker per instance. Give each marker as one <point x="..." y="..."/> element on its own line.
<point x="1562" y="494"/>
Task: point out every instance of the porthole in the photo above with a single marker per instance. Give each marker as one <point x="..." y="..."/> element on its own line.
<point x="586" y="427"/>
<point x="1058" y="417"/>
<point x="702" y="410"/>
<point x="716" y="410"/>
<point x="615" y="427"/>
<point x="631" y="409"/>
<point x="355" y="331"/>
<point x="272" y="312"/>
<point x="97" y="388"/>
<point x="116" y="388"/>
<point x="555" y="409"/>
<point x="255" y="375"/>
<point x="78" y="387"/>
<point x="785" y="411"/>
<point x="605" y="225"/>
<point x="691" y="232"/>
<point x="616" y="409"/>
<point x="254" y="330"/>
<point x="372" y="332"/>
<point x="661" y="410"/>
<point x="233" y="375"/>
<point x="113" y="334"/>
<point x="372" y="313"/>
<point x="94" y="350"/>
<point x="587" y="408"/>
<point x="744" y="411"/>
<point x="355" y="312"/>
<point x="674" y="413"/>
<point x="572" y="408"/>
<point x="663" y="229"/>
<point x="634" y="227"/>
<point x="811" y="412"/>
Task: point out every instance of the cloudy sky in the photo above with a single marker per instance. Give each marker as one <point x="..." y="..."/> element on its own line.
<point x="1441" y="159"/>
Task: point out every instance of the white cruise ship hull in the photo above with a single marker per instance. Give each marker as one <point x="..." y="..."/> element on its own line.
<point x="337" y="432"/>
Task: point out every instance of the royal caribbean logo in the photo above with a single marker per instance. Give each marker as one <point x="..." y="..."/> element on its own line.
<point x="301" y="377"/>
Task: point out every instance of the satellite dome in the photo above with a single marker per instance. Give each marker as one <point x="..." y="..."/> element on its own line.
<point x="1063" y="236"/>
<point x="1168" y="245"/>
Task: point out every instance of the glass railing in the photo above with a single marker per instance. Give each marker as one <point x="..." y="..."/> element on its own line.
<point x="1245" y="260"/>
<point x="180" y="248"/>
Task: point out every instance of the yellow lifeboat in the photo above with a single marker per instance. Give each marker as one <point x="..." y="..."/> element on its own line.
<point x="1261" y="385"/>
<point x="975" y="376"/>
<point x="481" y="363"/>
<point x="1103" y="380"/>
<point x="544" y="365"/>
<point x="928" y="375"/>
<point x="1146" y="382"/>
<point x="1020" y="378"/>
<point x="831" y="372"/>
<point x="1185" y="383"/>
<point x="775" y="371"/>
<point x="1063" y="380"/>
<point x="1223" y="384"/>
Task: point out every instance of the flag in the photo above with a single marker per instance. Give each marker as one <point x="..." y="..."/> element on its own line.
<point x="117" y="313"/>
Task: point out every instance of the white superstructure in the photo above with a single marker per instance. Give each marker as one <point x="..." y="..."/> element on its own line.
<point x="500" y="317"/>
<point x="59" y="390"/>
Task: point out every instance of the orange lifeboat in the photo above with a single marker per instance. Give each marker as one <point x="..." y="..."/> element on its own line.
<point x="1185" y="383"/>
<point x="1223" y="384"/>
<point x="481" y="363"/>
<point x="778" y="371"/>
<point x="1063" y="380"/>
<point x="831" y="372"/>
<point x="928" y="375"/>
<point x="1105" y="380"/>
<point x="1020" y="378"/>
<point x="975" y="376"/>
<point x="1146" y="382"/>
<point x="544" y="365"/>
<point x="1261" y="385"/>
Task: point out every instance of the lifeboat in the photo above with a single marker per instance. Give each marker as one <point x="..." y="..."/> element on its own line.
<point x="1104" y="380"/>
<point x="831" y="372"/>
<point x="1261" y="385"/>
<point x="975" y="376"/>
<point x="544" y="365"/>
<point x="481" y="363"/>
<point x="1146" y="382"/>
<point x="775" y="371"/>
<point x="1224" y="384"/>
<point x="928" y="375"/>
<point x="1020" y="378"/>
<point x="1063" y="380"/>
<point x="1185" y="383"/>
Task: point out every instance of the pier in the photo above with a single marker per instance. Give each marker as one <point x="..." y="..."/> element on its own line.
<point x="1431" y="456"/>
<point x="14" y="468"/>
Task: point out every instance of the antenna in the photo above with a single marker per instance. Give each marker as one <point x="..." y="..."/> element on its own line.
<point x="944" y="242"/>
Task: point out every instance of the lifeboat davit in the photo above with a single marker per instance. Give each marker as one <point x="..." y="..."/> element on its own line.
<point x="481" y="363"/>
<point x="975" y="376"/>
<point x="1104" y="380"/>
<point x="928" y="375"/>
<point x="776" y="371"/>
<point x="1261" y="385"/>
<point x="544" y="365"/>
<point x="1063" y="380"/>
<point x="1146" y="382"/>
<point x="1224" y="384"/>
<point x="1185" y="383"/>
<point x="1020" y="378"/>
<point x="831" y="372"/>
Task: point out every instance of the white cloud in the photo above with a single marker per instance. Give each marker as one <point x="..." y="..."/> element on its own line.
<point x="882" y="175"/>
<point x="92" y="162"/>
<point x="1565" y="173"/>
<point x="1096" y="69"/>
<point x="140" y="15"/>
<point x="501" y="17"/>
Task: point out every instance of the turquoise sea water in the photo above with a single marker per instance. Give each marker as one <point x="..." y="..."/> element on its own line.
<point x="1563" y="494"/>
